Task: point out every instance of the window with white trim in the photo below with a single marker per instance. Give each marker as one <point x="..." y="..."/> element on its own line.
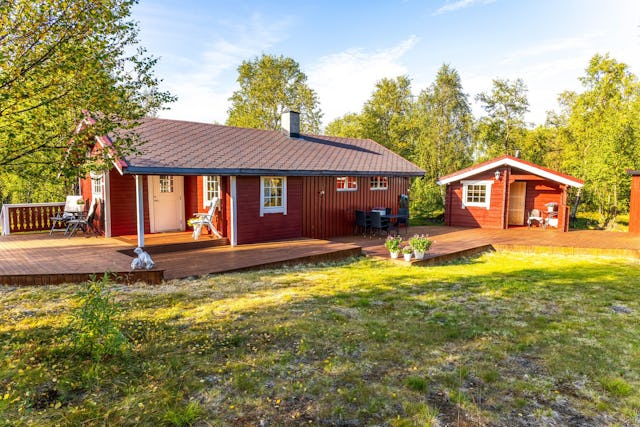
<point x="379" y="183"/>
<point x="476" y="193"/>
<point x="273" y="194"/>
<point x="347" y="183"/>
<point x="210" y="189"/>
<point x="96" y="185"/>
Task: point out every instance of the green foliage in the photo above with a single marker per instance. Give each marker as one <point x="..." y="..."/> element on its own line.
<point x="604" y="126"/>
<point x="386" y="116"/>
<point x="445" y="124"/>
<point x="392" y="243"/>
<point x="94" y="325"/>
<point x="417" y="384"/>
<point x="502" y="130"/>
<point x="269" y="86"/>
<point x="420" y="242"/>
<point x="184" y="416"/>
<point x="616" y="386"/>
<point x="63" y="62"/>
<point x="348" y="126"/>
<point x="427" y="199"/>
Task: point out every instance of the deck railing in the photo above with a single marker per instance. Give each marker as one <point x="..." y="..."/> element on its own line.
<point x="28" y="217"/>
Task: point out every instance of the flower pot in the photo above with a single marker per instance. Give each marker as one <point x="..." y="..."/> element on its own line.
<point x="407" y="257"/>
<point x="394" y="254"/>
<point x="418" y="254"/>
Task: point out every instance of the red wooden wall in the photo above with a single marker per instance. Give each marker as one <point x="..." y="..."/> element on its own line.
<point x="634" y="208"/>
<point x="253" y="228"/>
<point x="327" y="212"/>
<point x="123" y="204"/>
<point x="539" y="192"/>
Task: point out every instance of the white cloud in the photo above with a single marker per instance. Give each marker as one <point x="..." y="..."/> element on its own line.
<point x="204" y="83"/>
<point x="345" y="80"/>
<point x="459" y="4"/>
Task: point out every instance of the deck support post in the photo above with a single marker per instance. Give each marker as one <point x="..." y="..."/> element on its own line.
<point x="140" y="210"/>
<point x="234" y="212"/>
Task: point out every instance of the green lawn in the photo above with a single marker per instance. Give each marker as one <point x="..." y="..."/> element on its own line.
<point x="503" y="339"/>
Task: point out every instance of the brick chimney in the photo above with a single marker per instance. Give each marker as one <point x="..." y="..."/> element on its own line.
<point x="290" y="124"/>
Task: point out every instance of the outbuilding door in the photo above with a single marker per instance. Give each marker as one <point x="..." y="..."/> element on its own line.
<point x="517" y="197"/>
<point x="166" y="203"/>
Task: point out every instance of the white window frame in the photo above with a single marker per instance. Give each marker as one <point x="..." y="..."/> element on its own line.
<point x="207" y="193"/>
<point x="273" y="209"/>
<point x="166" y="184"/>
<point x="347" y="180"/>
<point x="97" y="185"/>
<point x="377" y="183"/>
<point x="487" y="199"/>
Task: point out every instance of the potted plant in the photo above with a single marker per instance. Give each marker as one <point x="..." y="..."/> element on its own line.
<point x="407" y="251"/>
<point x="393" y="245"/>
<point x="420" y="244"/>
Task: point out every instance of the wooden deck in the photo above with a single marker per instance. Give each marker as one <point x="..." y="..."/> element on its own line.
<point x="40" y="259"/>
<point x="33" y="259"/>
<point x="455" y="242"/>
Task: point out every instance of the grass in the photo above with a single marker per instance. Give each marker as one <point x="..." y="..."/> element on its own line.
<point x="502" y="339"/>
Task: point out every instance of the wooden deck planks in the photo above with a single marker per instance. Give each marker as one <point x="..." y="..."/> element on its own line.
<point x="40" y="259"/>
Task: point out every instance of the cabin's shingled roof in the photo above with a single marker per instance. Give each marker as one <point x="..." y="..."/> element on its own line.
<point x="189" y="148"/>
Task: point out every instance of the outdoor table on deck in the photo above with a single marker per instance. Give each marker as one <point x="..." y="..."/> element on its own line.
<point x="389" y="217"/>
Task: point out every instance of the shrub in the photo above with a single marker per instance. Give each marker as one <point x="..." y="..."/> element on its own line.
<point x="94" y="325"/>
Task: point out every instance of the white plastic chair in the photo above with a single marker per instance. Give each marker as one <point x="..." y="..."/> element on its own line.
<point x="73" y="208"/>
<point x="202" y="219"/>
<point x="536" y="216"/>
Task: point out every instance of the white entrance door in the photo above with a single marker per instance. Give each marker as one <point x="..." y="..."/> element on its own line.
<point x="166" y="203"/>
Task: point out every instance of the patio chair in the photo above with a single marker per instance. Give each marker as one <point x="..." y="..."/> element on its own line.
<point x="83" y="223"/>
<point x="202" y="219"/>
<point x="535" y="216"/>
<point x="362" y="222"/>
<point x="73" y="207"/>
<point x="403" y="219"/>
<point x="378" y="224"/>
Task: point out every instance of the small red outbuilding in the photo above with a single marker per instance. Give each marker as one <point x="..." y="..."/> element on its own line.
<point x="634" y="203"/>
<point x="503" y="192"/>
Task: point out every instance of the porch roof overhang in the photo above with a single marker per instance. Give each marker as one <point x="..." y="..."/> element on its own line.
<point x="137" y="170"/>
<point x="516" y="163"/>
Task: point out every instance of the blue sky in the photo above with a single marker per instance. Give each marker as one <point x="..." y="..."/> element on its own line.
<point x="344" y="47"/>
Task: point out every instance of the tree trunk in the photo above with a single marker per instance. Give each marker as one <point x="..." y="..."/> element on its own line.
<point x="574" y="209"/>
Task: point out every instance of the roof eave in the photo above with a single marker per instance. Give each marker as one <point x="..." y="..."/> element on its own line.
<point x="513" y="163"/>
<point x="140" y="170"/>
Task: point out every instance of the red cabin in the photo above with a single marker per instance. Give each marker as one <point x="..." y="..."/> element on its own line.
<point x="507" y="192"/>
<point x="271" y="185"/>
<point x="634" y="203"/>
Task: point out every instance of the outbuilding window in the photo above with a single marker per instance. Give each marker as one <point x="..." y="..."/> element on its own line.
<point x="347" y="183"/>
<point x="273" y="195"/>
<point x="476" y="193"/>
